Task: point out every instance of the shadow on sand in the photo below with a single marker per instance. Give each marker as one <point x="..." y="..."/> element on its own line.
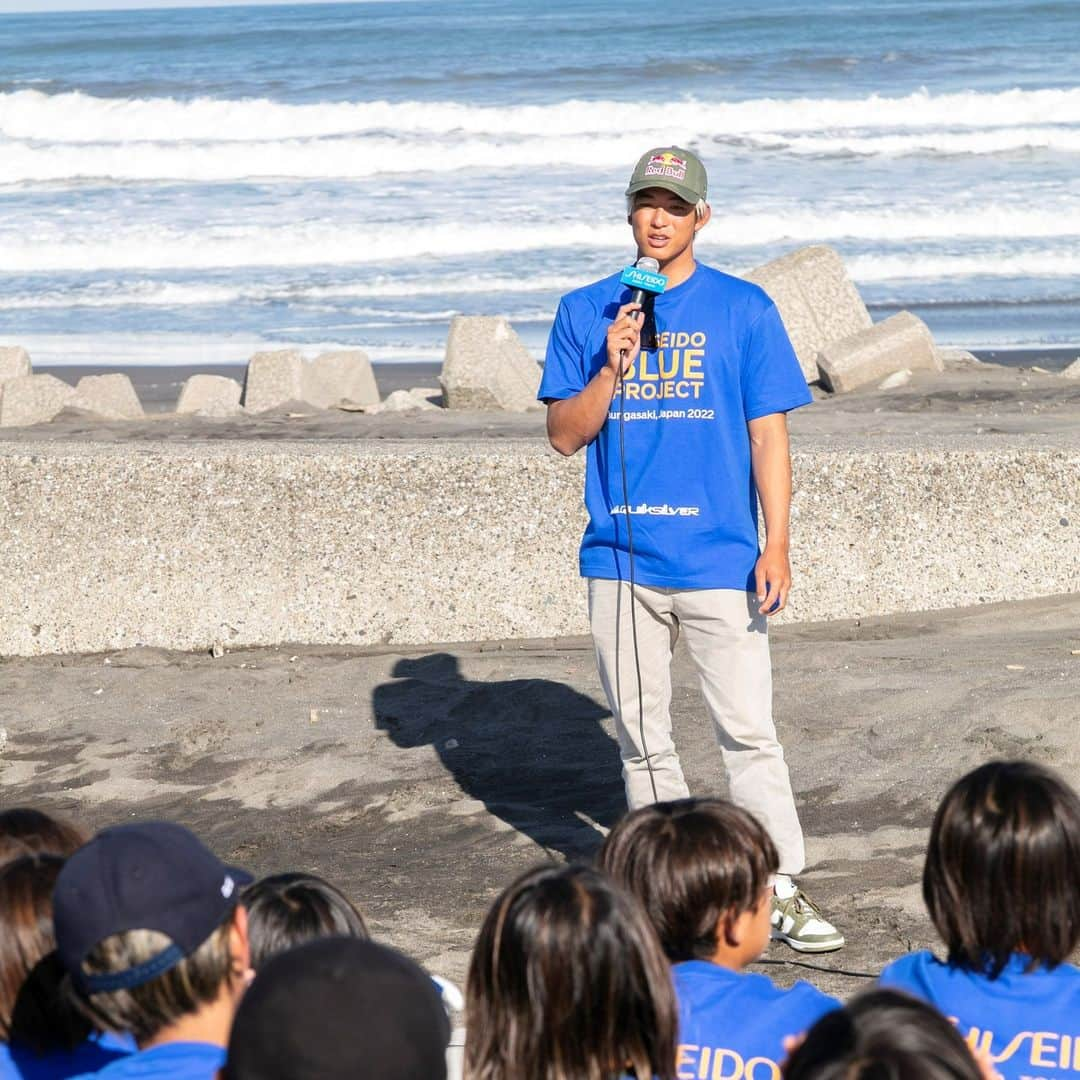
<point x="532" y="750"/>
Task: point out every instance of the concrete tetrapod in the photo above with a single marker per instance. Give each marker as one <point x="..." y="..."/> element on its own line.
<point x="816" y="298"/>
<point x="487" y="367"/>
<point x="899" y="342"/>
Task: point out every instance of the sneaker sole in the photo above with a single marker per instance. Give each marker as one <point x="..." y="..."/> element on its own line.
<point x="808" y="947"/>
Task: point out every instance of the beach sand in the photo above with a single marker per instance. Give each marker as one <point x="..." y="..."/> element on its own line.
<point x="422" y="780"/>
<point x="968" y="399"/>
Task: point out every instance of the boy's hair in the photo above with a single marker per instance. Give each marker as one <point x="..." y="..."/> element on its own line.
<point x="1002" y="872"/>
<point x="26" y="831"/>
<point x="699" y="207"/>
<point x="286" y="910"/>
<point x="692" y="863"/>
<point x="144" y="1010"/>
<point x="567" y="982"/>
<point x="31" y="1008"/>
<point x="882" y="1033"/>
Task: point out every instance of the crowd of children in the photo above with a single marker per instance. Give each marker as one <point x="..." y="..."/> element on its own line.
<point x="137" y="953"/>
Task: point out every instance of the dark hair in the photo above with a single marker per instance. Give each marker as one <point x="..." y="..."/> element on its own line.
<point x="181" y="990"/>
<point x="1002" y="872"/>
<point x="286" y="910"/>
<point x="33" y="1010"/>
<point x="568" y="982"/>
<point x="338" y="1009"/>
<point x="882" y="1035"/>
<point x="692" y="863"/>
<point x="26" y="831"/>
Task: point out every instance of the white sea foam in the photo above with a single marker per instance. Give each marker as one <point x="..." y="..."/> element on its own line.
<point x="299" y="159"/>
<point x="154" y="350"/>
<point x="941" y="143"/>
<point x="185" y="294"/>
<point x="865" y="269"/>
<point x="149" y="247"/>
<point x="80" y="118"/>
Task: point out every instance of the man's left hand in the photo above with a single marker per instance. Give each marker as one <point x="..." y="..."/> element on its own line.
<point x="772" y="579"/>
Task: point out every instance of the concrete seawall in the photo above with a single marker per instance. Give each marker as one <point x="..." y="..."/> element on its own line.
<point x="106" y="546"/>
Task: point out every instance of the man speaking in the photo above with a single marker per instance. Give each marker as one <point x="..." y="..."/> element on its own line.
<point x="681" y="401"/>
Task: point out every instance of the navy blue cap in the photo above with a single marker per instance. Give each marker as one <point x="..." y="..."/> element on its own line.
<point x="153" y="875"/>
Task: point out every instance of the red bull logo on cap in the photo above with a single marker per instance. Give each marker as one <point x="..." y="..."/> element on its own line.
<point x="666" y="164"/>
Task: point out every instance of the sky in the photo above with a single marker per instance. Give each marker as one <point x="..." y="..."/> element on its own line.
<point x="23" y="6"/>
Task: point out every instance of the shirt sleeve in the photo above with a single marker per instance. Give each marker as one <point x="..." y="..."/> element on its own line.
<point x="564" y="361"/>
<point x="772" y="381"/>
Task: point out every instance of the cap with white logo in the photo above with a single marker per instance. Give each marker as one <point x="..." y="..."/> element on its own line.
<point x="674" y="169"/>
<point x="152" y="875"/>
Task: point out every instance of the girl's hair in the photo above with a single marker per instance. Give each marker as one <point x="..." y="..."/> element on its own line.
<point x="568" y="982"/>
<point x="33" y="1010"/>
<point x="25" y="831"/>
<point x="285" y="910"/>
<point x="692" y="863"/>
<point x="882" y="1035"/>
<point x="1002" y="871"/>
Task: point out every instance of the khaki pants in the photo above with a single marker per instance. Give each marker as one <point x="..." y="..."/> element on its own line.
<point x="729" y="644"/>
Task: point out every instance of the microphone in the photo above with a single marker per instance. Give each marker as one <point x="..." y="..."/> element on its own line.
<point x="645" y="280"/>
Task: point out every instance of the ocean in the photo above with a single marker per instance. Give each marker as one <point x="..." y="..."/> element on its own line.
<point x="185" y="186"/>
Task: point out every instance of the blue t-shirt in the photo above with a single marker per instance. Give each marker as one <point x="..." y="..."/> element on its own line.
<point x="170" y="1061"/>
<point x="734" y="1023"/>
<point x="21" y="1063"/>
<point x="722" y="358"/>
<point x="1029" y="1022"/>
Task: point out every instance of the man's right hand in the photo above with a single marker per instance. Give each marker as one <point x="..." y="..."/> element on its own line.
<point x="624" y="339"/>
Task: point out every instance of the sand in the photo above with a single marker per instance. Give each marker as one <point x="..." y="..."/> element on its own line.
<point x="422" y="780"/>
<point x="980" y="400"/>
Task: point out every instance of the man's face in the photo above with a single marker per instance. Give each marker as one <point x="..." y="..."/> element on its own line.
<point x="664" y="224"/>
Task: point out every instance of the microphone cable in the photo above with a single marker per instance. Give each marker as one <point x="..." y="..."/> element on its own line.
<point x="633" y="585"/>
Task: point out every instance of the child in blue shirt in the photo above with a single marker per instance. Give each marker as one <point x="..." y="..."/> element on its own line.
<point x="151" y="933"/>
<point x="703" y="869"/>
<point x="1002" y="886"/>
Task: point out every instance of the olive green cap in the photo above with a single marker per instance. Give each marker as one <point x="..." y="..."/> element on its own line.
<point x="674" y="169"/>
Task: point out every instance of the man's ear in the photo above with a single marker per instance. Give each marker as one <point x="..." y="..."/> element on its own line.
<point x="704" y="219"/>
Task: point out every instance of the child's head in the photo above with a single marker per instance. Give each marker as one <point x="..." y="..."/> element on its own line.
<point x="878" y="1034"/>
<point x="286" y="910"/>
<point x="26" y="831"/>
<point x="337" y="1009"/>
<point x="567" y="982"/>
<point x="148" y="928"/>
<point x="703" y="869"/>
<point x="1002" y="871"/>
<point x="32" y="1011"/>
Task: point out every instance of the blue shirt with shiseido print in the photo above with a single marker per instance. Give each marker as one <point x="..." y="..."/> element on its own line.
<point x="1027" y="1019"/>
<point x="719" y="358"/>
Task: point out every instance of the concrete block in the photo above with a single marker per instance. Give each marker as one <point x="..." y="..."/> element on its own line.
<point x="816" y="298"/>
<point x="33" y="399"/>
<point x="896" y="379"/>
<point x="954" y="358"/>
<point x="487" y="367"/>
<point x="334" y="377"/>
<point x="14" y="362"/>
<point x="272" y="379"/>
<point x="1073" y="370"/>
<point x="902" y="341"/>
<point x="209" y="395"/>
<point x="433" y="394"/>
<point x="402" y="401"/>
<point x="110" y="396"/>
